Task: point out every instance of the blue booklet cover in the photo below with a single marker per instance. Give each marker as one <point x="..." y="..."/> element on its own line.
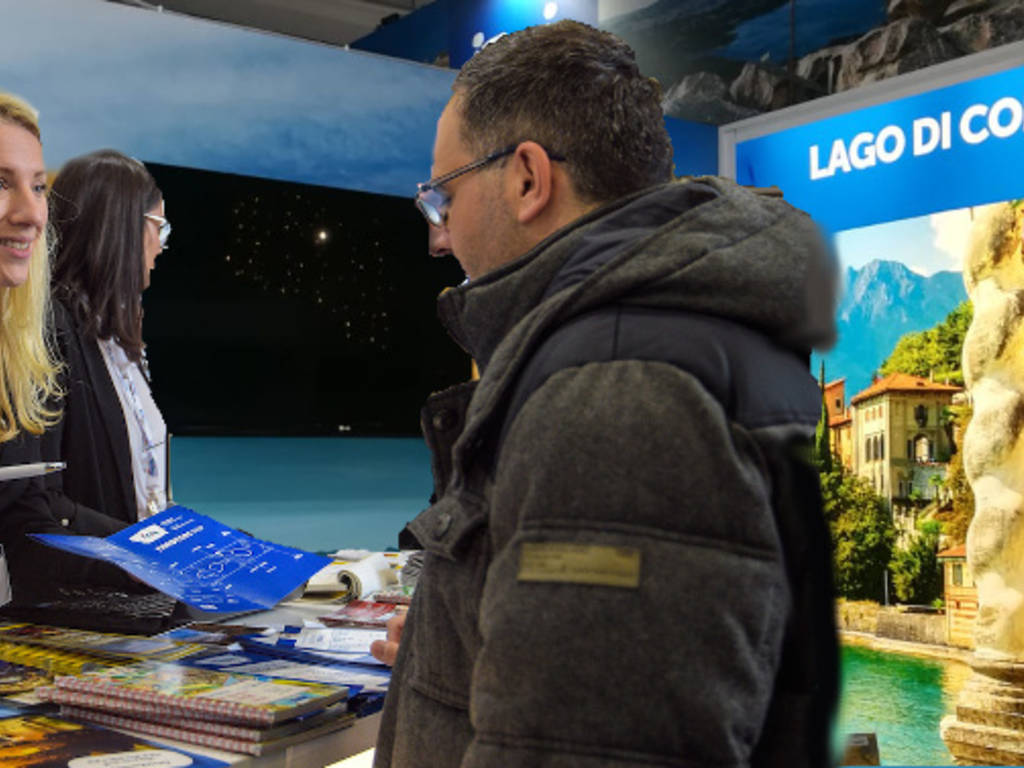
<point x="355" y="677"/>
<point x="199" y="561"/>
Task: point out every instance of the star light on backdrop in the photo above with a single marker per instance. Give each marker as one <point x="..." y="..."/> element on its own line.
<point x="293" y="309"/>
<point x="300" y="248"/>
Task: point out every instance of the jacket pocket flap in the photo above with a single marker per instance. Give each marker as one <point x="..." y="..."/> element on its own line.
<point x="443" y="527"/>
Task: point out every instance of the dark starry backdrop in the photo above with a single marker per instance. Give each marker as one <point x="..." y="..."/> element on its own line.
<point x="291" y="309"/>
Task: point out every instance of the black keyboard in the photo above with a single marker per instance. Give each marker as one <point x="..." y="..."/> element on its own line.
<point x="102" y="610"/>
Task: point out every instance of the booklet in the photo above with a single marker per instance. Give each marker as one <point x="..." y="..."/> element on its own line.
<point x="199" y="561"/>
<point x="355" y="677"/>
<point x="42" y="741"/>
<point x="303" y="644"/>
<point x="174" y="690"/>
<point x="183" y="730"/>
<point x="106" y="644"/>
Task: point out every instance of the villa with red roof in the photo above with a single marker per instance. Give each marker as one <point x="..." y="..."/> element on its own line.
<point x="901" y="441"/>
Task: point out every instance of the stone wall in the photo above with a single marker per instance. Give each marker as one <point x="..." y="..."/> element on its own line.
<point x="912" y="627"/>
<point x="857" y="615"/>
<point x="890" y="622"/>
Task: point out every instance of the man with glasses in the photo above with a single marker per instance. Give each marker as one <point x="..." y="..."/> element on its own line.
<point x="626" y="564"/>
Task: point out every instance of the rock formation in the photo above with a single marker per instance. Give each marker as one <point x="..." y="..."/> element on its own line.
<point x="988" y="727"/>
<point x="917" y="34"/>
<point x="703" y="97"/>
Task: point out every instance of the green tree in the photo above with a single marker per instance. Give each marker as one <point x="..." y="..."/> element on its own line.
<point x="822" y="436"/>
<point x="959" y="490"/>
<point x="916" y="576"/>
<point x="935" y="351"/>
<point x="862" y="535"/>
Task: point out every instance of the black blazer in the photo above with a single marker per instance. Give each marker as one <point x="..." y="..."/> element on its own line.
<point x="36" y="505"/>
<point x="93" y="496"/>
<point x="92" y="436"/>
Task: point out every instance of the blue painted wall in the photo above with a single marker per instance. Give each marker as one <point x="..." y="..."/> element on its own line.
<point x="420" y="36"/>
<point x="694" y="146"/>
<point x="179" y="91"/>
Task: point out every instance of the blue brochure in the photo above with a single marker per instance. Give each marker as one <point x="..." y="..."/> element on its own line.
<point x="199" y="561"/>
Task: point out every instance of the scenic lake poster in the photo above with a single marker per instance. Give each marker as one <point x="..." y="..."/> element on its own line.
<point x="902" y="315"/>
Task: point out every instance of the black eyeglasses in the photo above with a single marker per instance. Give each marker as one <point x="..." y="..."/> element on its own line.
<point x="163" y="227"/>
<point x="433" y="202"/>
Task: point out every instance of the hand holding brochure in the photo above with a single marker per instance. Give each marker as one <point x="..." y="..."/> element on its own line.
<point x="199" y="561"/>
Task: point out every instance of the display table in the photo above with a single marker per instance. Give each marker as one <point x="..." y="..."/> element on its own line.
<point x="315" y="753"/>
<point x="318" y="751"/>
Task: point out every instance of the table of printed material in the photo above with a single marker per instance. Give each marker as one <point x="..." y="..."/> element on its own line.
<point x="199" y="561"/>
<point x="43" y="741"/>
<point x="224" y="710"/>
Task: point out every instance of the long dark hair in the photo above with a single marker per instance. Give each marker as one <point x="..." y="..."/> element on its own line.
<point x="97" y="206"/>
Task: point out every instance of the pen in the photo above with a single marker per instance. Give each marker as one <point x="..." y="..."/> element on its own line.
<point x="18" y="471"/>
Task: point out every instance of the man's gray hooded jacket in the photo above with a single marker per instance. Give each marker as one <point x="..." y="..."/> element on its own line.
<point x="624" y="540"/>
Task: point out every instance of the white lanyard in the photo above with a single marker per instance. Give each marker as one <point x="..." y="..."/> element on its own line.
<point x="148" y="449"/>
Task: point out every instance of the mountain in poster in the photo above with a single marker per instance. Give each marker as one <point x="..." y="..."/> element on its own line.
<point x="880" y="303"/>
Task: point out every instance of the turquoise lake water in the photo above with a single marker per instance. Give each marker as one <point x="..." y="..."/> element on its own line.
<point x="901" y="699"/>
<point x="322" y="494"/>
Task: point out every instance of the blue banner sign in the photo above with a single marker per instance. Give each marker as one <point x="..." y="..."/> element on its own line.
<point x="949" y="148"/>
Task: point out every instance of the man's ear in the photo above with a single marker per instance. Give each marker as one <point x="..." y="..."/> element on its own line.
<point x="532" y="177"/>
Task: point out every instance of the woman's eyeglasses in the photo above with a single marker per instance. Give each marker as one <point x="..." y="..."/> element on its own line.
<point x="163" y="225"/>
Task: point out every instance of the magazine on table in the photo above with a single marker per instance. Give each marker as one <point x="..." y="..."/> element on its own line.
<point x="173" y="690"/>
<point x="200" y="561"/>
<point x="356" y="677"/>
<point x="111" y="705"/>
<point x="43" y="741"/>
<point x="363" y="613"/>
<point x="206" y="739"/>
<point x="107" y="644"/>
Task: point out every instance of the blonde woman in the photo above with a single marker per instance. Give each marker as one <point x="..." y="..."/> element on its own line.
<point x="27" y="372"/>
<point x="28" y="388"/>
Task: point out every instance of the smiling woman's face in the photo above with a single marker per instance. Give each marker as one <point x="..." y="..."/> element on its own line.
<point x="23" y="209"/>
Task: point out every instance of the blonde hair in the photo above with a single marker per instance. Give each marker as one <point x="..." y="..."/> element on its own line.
<point x="28" y="370"/>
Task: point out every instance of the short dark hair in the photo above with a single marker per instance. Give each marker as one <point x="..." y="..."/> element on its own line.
<point x="577" y="91"/>
<point x="97" y="206"/>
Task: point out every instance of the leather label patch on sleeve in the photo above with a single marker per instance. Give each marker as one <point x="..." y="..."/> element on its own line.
<point x="564" y="562"/>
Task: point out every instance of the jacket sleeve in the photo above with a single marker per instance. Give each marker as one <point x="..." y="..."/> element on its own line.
<point x="39" y="505"/>
<point x="633" y="611"/>
<point x="91" y="436"/>
<point x="81" y="518"/>
<point x="29" y="506"/>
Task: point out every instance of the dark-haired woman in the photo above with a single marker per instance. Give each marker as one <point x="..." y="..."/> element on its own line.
<point x="109" y="219"/>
